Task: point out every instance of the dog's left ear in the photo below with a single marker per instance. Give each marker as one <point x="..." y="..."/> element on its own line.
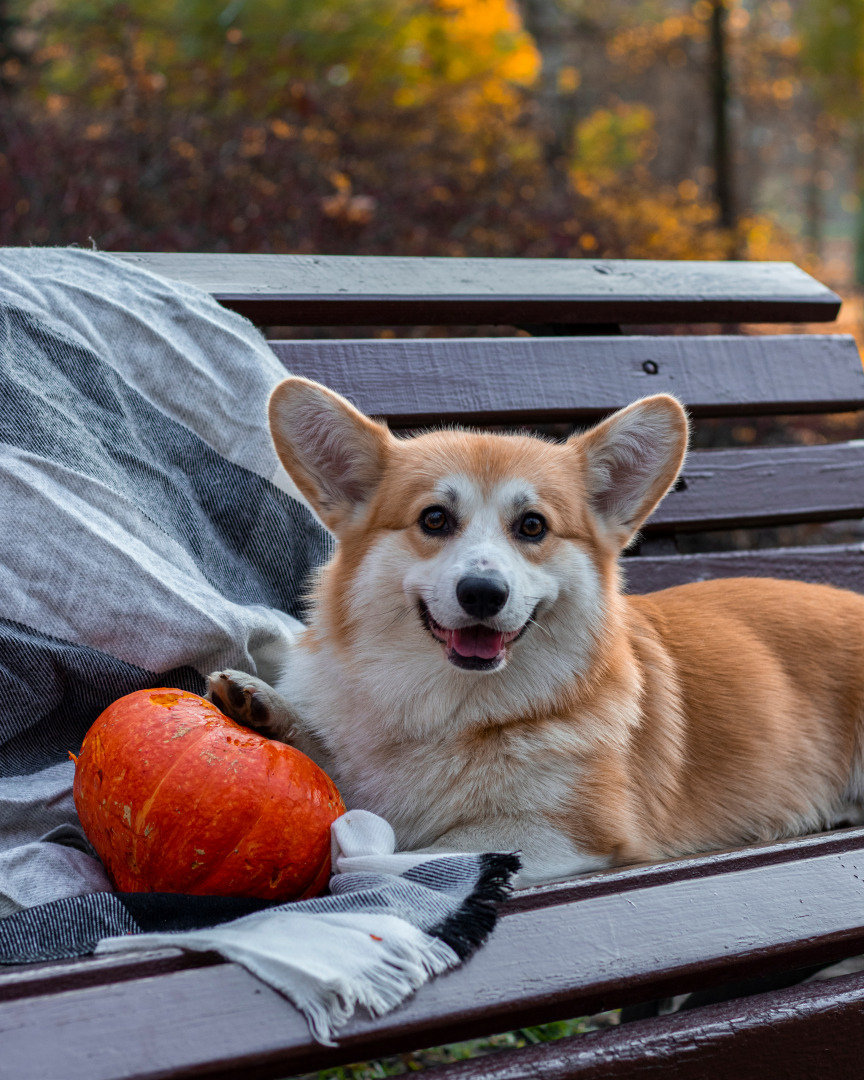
<point x="631" y="460"/>
<point x="333" y="453"/>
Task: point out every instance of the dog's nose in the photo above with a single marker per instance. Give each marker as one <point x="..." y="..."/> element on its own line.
<point x="482" y="596"/>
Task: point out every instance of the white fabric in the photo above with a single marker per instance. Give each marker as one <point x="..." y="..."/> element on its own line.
<point x="363" y="843"/>
<point x="44" y="871"/>
<point x="88" y="554"/>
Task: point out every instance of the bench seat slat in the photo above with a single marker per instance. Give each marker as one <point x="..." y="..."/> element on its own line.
<point x="19" y="981"/>
<point x="841" y="565"/>
<point x="623" y="879"/>
<point x="799" y="1033"/>
<point x="769" y="486"/>
<point x="413" y="382"/>
<point x="347" y="290"/>
<point x="565" y="960"/>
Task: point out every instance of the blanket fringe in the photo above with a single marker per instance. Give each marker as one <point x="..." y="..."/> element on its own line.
<point x="385" y="984"/>
<point x="466" y="929"/>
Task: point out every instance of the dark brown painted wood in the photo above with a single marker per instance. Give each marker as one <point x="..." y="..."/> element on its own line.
<point x="334" y="290"/>
<point x="803" y="1033"/>
<point x="500" y="380"/>
<point x="721" y="489"/>
<point x="564" y="960"/>
<point x="33" y="980"/>
<point x="841" y="565"/>
<point x="602" y="883"/>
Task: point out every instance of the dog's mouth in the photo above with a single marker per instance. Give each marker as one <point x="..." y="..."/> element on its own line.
<point x="477" y="647"/>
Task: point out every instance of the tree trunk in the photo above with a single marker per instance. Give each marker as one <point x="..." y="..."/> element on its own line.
<point x="9" y="53"/>
<point x="858" y="159"/>
<point x="724" y="189"/>
<point x="554" y="33"/>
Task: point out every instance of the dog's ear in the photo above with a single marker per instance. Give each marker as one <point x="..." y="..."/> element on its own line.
<point x="334" y="453"/>
<point x="631" y="460"/>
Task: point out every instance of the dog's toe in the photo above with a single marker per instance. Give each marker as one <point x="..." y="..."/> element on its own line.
<point x="243" y="698"/>
<point x="253" y="703"/>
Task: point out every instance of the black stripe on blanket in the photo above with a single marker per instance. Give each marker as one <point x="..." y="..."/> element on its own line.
<point x="72" y="927"/>
<point x="67" y="928"/>
<point x="475" y="921"/>
<point x="66" y="686"/>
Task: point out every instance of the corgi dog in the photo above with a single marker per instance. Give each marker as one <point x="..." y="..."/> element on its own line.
<point x="474" y="673"/>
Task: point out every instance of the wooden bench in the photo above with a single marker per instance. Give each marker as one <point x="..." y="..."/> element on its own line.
<point x="607" y="940"/>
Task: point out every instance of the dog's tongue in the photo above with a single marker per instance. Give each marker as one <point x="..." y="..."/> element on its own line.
<point x="476" y="641"/>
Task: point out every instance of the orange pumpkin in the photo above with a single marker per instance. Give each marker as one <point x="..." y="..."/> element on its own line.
<point x="175" y="797"/>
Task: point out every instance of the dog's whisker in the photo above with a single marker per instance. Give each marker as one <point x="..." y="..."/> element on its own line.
<point x="400" y="607"/>
<point x="554" y="641"/>
<point x="540" y="626"/>
<point x="393" y="622"/>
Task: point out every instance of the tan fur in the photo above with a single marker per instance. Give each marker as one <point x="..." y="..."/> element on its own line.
<point x="750" y="725"/>
<point x="696" y="718"/>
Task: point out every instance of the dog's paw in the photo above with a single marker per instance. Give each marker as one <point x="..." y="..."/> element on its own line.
<point x="249" y="701"/>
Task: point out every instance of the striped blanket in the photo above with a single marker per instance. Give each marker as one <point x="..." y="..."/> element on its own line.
<point x="149" y="535"/>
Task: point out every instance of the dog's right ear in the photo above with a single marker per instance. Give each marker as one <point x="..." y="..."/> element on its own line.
<point x="334" y="454"/>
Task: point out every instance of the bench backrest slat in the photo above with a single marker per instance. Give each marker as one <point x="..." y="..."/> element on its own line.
<point x="841" y="565"/>
<point x="724" y="489"/>
<point x="333" y="290"/>
<point x="412" y="382"/>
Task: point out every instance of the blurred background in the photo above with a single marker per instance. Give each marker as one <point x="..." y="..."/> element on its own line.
<point x="668" y="129"/>
<point x="641" y="128"/>
<point x="660" y="129"/>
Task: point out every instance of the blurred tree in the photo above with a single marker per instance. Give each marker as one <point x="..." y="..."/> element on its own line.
<point x="613" y="148"/>
<point x="722" y="139"/>
<point x="250" y="55"/>
<point x="12" y="56"/>
<point x="832" y="33"/>
<point x="690" y="41"/>
<point x="557" y="28"/>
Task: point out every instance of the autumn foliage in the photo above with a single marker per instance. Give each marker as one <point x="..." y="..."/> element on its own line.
<point x="345" y="126"/>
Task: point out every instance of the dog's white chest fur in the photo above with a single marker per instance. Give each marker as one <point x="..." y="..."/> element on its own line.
<point x="439" y="789"/>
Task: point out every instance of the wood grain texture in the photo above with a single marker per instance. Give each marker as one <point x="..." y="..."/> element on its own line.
<point x="565" y="960"/>
<point x="721" y="489"/>
<point x="333" y="290"/>
<point x="519" y="380"/>
<point x="841" y="565"/>
<point x="801" y="1033"/>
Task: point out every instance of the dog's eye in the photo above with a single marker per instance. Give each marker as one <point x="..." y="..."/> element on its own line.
<point x="533" y="526"/>
<point x="434" y="520"/>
